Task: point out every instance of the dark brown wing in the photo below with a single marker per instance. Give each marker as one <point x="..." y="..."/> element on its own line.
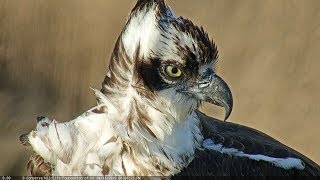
<point x="249" y="141"/>
<point x="36" y="166"/>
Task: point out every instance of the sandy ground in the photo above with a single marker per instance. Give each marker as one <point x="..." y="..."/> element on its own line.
<point x="51" y="52"/>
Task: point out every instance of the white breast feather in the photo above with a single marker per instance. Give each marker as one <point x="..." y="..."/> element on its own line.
<point x="84" y="145"/>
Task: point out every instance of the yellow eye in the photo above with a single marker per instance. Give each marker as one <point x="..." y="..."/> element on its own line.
<point x="173" y="71"/>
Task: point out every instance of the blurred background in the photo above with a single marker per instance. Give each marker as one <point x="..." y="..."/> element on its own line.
<point x="51" y="52"/>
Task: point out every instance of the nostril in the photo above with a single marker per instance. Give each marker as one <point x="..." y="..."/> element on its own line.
<point x="204" y="84"/>
<point x="39" y="118"/>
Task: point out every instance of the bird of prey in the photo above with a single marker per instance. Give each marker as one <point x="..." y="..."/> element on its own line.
<point x="146" y="121"/>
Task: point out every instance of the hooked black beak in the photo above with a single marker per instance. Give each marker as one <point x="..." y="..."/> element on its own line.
<point x="216" y="91"/>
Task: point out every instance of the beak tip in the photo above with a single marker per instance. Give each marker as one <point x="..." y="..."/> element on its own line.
<point x="228" y="104"/>
<point x="228" y="113"/>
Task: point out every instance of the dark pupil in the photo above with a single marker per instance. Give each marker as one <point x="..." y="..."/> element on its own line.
<point x="174" y="70"/>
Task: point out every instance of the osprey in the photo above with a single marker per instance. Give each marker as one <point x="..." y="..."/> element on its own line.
<point x="146" y="122"/>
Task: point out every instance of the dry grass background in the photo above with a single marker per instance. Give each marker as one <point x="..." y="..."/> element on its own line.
<point x="51" y="52"/>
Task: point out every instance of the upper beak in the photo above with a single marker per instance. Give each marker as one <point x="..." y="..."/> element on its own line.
<point x="216" y="91"/>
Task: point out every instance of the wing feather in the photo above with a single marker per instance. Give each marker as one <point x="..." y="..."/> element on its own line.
<point x="37" y="166"/>
<point x="249" y="141"/>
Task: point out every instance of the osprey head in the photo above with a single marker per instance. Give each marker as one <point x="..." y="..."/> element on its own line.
<point x="172" y="57"/>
